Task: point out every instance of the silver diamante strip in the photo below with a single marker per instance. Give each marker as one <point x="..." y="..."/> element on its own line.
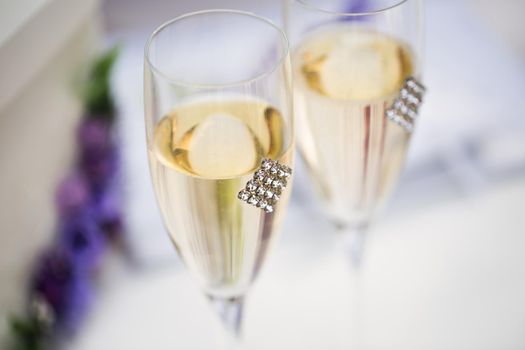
<point x="404" y="109"/>
<point x="265" y="188"/>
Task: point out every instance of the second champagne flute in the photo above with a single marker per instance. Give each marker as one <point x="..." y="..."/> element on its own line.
<point x="217" y="103"/>
<point x="351" y="60"/>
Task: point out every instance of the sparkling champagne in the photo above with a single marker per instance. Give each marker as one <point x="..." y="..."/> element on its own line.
<point x="345" y="78"/>
<point x="202" y="154"/>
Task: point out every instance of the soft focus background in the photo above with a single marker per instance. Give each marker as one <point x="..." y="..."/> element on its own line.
<point x="444" y="266"/>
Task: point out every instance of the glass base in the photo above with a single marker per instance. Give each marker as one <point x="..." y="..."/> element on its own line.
<point x="230" y="310"/>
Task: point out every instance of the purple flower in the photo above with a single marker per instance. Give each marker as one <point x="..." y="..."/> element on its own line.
<point x="109" y="213"/>
<point x="80" y="298"/>
<point x="57" y="282"/>
<point x="99" y="165"/>
<point x="94" y="135"/>
<point x="52" y="279"/>
<point x="80" y="235"/>
<point x="72" y="195"/>
<point x="355" y="6"/>
<point x="98" y="154"/>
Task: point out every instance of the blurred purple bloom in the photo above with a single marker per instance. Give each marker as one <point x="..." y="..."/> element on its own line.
<point x="57" y="282"/>
<point x="98" y="154"/>
<point x="52" y="279"/>
<point x="99" y="166"/>
<point x="94" y="135"/>
<point x="109" y="213"/>
<point x="72" y="195"/>
<point x="80" y="298"/>
<point x="80" y="235"/>
<point x="61" y="282"/>
<point x="355" y="6"/>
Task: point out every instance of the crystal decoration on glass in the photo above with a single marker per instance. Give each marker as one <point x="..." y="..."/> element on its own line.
<point x="266" y="186"/>
<point x="405" y="107"/>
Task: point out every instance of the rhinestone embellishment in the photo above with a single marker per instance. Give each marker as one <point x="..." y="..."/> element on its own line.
<point x="266" y="186"/>
<point x="404" y="109"/>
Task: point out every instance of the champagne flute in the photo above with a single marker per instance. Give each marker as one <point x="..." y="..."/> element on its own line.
<point x="218" y="102"/>
<point x="350" y="59"/>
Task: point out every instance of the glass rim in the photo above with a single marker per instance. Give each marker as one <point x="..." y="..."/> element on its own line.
<point x="307" y="4"/>
<point x="159" y="29"/>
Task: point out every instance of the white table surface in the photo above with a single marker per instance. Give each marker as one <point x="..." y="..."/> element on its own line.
<point x="447" y="277"/>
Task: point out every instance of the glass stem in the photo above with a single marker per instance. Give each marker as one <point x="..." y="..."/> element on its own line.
<point x="354" y="239"/>
<point x="230" y="310"/>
